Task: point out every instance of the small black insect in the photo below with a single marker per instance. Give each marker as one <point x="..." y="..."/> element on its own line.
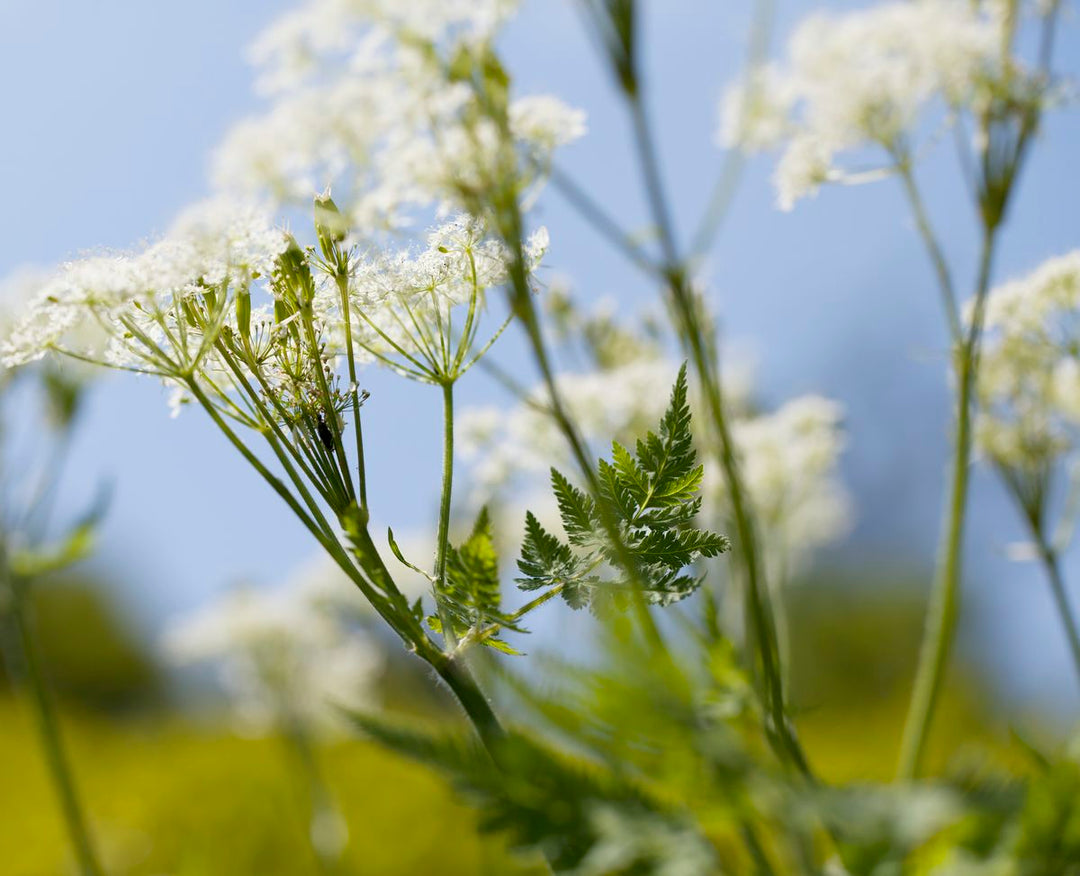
<point x="324" y="433"/>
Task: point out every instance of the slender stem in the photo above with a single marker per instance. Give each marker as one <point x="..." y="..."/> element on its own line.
<point x="354" y="389"/>
<point x="50" y="735"/>
<point x="943" y="611"/>
<point x="727" y="184"/>
<point x="328" y="404"/>
<point x="600" y="220"/>
<point x="654" y="185"/>
<point x="760" y="618"/>
<point x="443" y="537"/>
<point x="735" y="159"/>
<point x="761" y="621"/>
<point x="1052" y="564"/>
<point x="933" y="248"/>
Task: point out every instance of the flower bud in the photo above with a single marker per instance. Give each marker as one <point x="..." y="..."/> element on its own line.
<point x="330" y="226"/>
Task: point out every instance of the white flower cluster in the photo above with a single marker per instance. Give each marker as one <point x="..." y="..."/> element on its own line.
<point x="404" y="303"/>
<point x="16" y="291"/>
<point x="865" y="78"/>
<point x="217" y="278"/>
<point x="789" y="457"/>
<point x="1029" y="375"/>
<point x="282" y="654"/>
<point x="99" y="307"/>
<point x="376" y="97"/>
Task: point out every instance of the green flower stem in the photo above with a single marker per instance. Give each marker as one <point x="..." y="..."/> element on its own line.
<point x="342" y="278"/>
<point x="761" y="621"/>
<point x="331" y="545"/>
<point x="1051" y="562"/>
<point x="396" y="614"/>
<point x="276" y="439"/>
<point x="52" y="742"/>
<point x="443" y="537"/>
<point x="944" y="608"/>
<point x="933" y="247"/>
<point x="306" y="320"/>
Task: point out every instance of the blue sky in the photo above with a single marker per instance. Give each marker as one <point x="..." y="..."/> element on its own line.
<point x="113" y="107"/>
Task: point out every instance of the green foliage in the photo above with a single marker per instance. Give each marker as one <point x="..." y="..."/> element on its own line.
<point x="543" y="801"/>
<point x="471" y="597"/>
<point x="650" y="498"/>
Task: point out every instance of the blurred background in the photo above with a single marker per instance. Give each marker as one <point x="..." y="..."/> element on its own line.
<point x="113" y="109"/>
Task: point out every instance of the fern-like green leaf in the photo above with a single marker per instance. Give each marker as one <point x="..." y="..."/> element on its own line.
<point x="471" y="598"/>
<point x="650" y="500"/>
<point x="577" y="509"/>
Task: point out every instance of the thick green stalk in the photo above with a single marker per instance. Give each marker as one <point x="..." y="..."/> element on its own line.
<point x="52" y="742"/>
<point x="943" y="611"/>
<point x="443" y="538"/>
<point x="460" y="680"/>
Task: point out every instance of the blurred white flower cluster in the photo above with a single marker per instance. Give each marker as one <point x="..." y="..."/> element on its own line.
<point x="872" y="78"/>
<point x="1029" y="376"/>
<point x="283" y="656"/>
<point x="298" y="651"/>
<point x="377" y="98"/>
<point x="789" y="465"/>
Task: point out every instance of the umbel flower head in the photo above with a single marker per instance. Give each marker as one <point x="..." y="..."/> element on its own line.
<point x="230" y="308"/>
<point x="400" y="106"/>
<point x="420" y="313"/>
<point x="1029" y="378"/>
<point x="873" y="78"/>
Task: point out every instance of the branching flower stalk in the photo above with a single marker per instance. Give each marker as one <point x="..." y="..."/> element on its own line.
<point x="182" y="310"/>
<point x="1006" y="124"/>
<point x="870" y="78"/>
